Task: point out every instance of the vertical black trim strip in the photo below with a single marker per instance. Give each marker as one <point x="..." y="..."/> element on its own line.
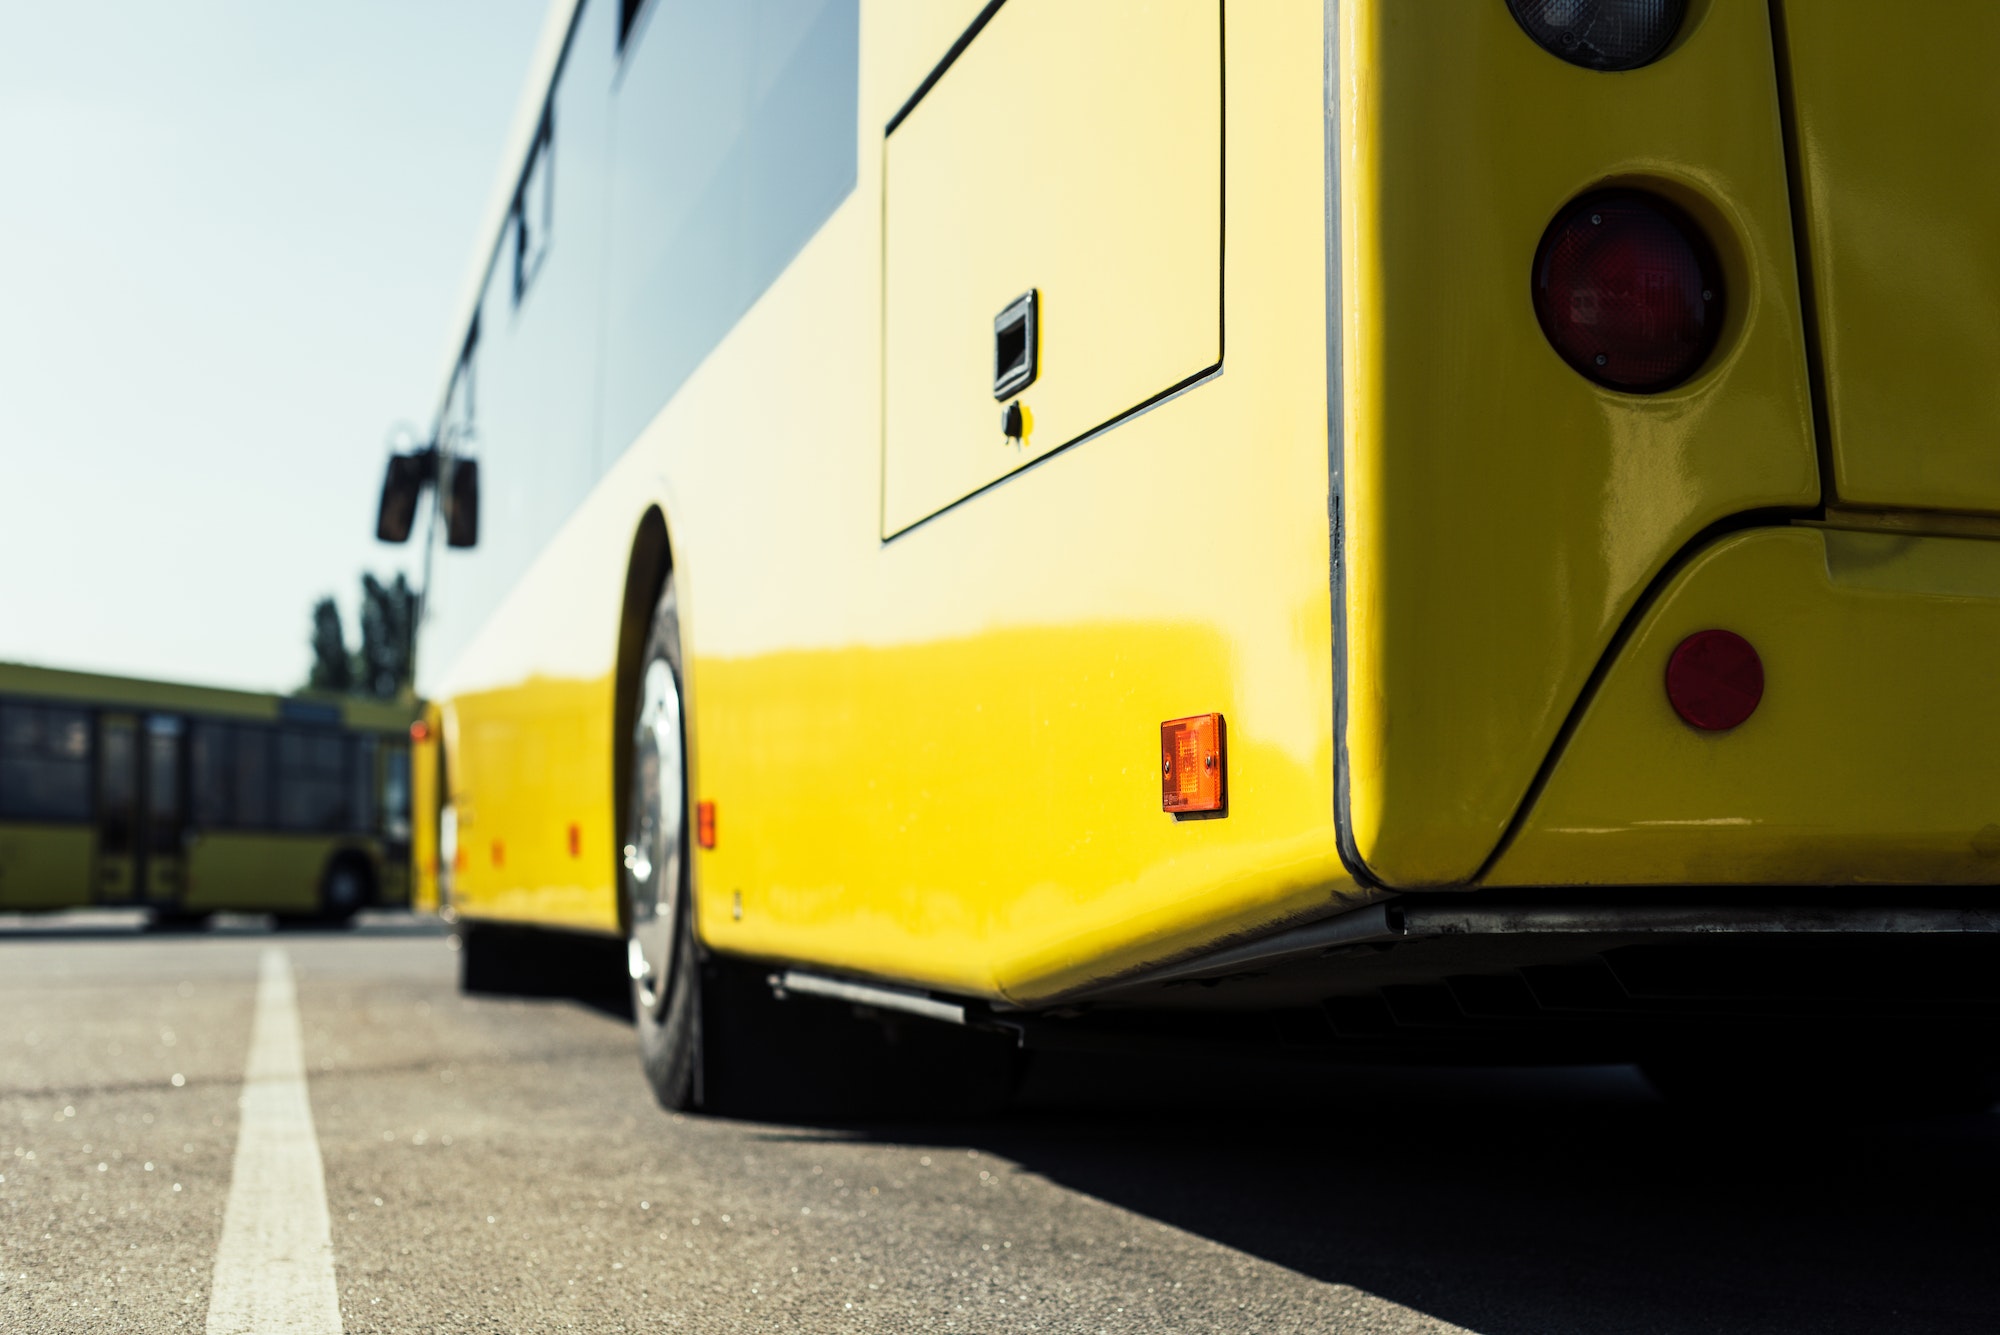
<point x="1336" y="442"/>
<point x="937" y="70"/>
<point x="1795" y="179"/>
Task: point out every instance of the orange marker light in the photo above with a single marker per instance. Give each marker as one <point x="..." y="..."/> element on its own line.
<point x="1191" y="764"/>
<point x="419" y="731"/>
<point x="499" y="854"/>
<point x="704" y="824"/>
<point x="575" y="840"/>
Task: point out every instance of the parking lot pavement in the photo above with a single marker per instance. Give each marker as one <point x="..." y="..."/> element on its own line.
<point x="495" y="1164"/>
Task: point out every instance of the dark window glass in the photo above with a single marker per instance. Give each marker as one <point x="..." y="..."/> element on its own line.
<point x="163" y="784"/>
<point x="44" y="762"/>
<point x="312" y="789"/>
<point x="209" y="774"/>
<point x="362" y="778"/>
<point x="117" y="783"/>
<point x="250" y="776"/>
<point x="396" y="793"/>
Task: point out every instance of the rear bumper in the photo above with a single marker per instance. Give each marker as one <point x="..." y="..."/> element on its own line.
<point x="1874" y="757"/>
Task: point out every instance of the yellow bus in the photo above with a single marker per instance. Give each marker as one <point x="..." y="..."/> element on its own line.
<point x="1374" y="528"/>
<point x="189" y="800"/>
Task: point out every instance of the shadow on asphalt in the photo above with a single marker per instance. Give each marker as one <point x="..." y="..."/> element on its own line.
<point x="1525" y="1201"/>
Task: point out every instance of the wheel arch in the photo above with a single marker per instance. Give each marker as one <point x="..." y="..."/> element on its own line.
<point x="646" y="571"/>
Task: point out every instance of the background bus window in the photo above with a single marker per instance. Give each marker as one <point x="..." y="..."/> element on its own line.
<point x="163" y="784"/>
<point x="250" y="776"/>
<point x="396" y="792"/>
<point x="312" y="780"/>
<point x="117" y="783"/>
<point x="361" y="780"/>
<point x="44" y="763"/>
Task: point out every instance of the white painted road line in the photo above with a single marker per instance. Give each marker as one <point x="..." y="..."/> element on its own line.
<point x="274" y="1269"/>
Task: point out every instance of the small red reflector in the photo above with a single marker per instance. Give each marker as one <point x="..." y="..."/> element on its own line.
<point x="1191" y="764"/>
<point x="419" y="731"/>
<point x="704" y="824"/>
<point x="1714" y="680"/>
<point x="575" y="840"/>
<point x="1628" y="291"/>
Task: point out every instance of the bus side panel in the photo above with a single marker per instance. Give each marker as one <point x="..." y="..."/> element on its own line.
<point x="937" y="759"/>
<point x="45" y="866"/>
<point x="275" y="873"/>
<point x="1503" y="513"/>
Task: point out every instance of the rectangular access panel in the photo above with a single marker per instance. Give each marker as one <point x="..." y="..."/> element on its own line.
<point x="1053" y="240"/>
<point x="1896" y="127"/>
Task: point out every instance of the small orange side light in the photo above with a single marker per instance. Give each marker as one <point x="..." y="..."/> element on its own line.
<point x="575" y="840"/>
<point x="499" y="853"/>
<point x="1191" y="764"/>
<point x="704" y="824"/>
<point x="420" y="731"/>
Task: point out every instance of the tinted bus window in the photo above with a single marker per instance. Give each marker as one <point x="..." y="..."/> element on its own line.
<point x="250" y="777"/>
<point x="208" y="774"/>
<point x="117" y="783"/>
<point x="163" y="784"/>
<point x="735" y="137"/>
<point x="312" y="791"/>
<point x="44" y="763"/>
<point x="396" y="793"/>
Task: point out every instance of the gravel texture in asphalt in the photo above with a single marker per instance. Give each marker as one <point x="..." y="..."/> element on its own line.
<point x="497" y="1164"/>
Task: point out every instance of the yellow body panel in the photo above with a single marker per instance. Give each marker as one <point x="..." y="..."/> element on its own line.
<point x="934" y="759"/>
<point x="1076" y="151"/>
<point x="45" y="866"/>
<point x="1895" y="124"/>
<point x="425" y="798"/>
<point x="549" y="737"/>
<point x="1503" y="513"/>
<point x="1870" y="758"/>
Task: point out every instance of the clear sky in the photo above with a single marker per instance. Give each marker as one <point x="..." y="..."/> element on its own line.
<point x="232" y="237"/>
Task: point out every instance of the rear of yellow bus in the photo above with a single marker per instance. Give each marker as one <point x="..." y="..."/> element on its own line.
<point x="1667" y="482"/>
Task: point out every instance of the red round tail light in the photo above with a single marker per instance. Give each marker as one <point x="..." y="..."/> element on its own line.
<point x="1628" y="291"/>
<point x="1715" y="680"/>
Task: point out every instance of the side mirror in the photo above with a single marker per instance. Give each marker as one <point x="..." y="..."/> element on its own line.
<point x="401" y="486"/>
<point x="461" y="514"/>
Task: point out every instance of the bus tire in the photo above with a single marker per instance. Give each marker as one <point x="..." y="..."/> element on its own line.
<point x="713" y="1034"/>
<point x="345" y="887"/>
<point x="653" y="885"/>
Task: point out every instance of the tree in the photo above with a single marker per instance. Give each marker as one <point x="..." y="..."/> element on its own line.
<point x="331" y="670"/>
<point x="383" y="664"/>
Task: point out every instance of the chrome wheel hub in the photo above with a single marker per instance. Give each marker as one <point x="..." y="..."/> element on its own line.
<point x="659" y="817"/>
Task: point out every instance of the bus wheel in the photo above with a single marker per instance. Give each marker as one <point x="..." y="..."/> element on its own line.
<point x="343" y="890"/>
<point x="712" y="1034"/>
<point x="659" y="941"/>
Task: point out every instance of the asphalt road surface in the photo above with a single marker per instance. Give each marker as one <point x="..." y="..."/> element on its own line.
<point x="497" y="1164"/>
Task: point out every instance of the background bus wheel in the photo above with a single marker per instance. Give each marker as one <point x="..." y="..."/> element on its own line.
<point x="343" y="891"/>
<point x="178" y="920"/>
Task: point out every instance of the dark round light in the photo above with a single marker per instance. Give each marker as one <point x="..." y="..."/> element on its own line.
<point x="1628" y="291"/>
<point x="1715" y="680"/>
<point x="1601" y="34"/>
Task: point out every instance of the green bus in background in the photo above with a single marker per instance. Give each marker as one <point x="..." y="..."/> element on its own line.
<point x="188" y="800"/>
